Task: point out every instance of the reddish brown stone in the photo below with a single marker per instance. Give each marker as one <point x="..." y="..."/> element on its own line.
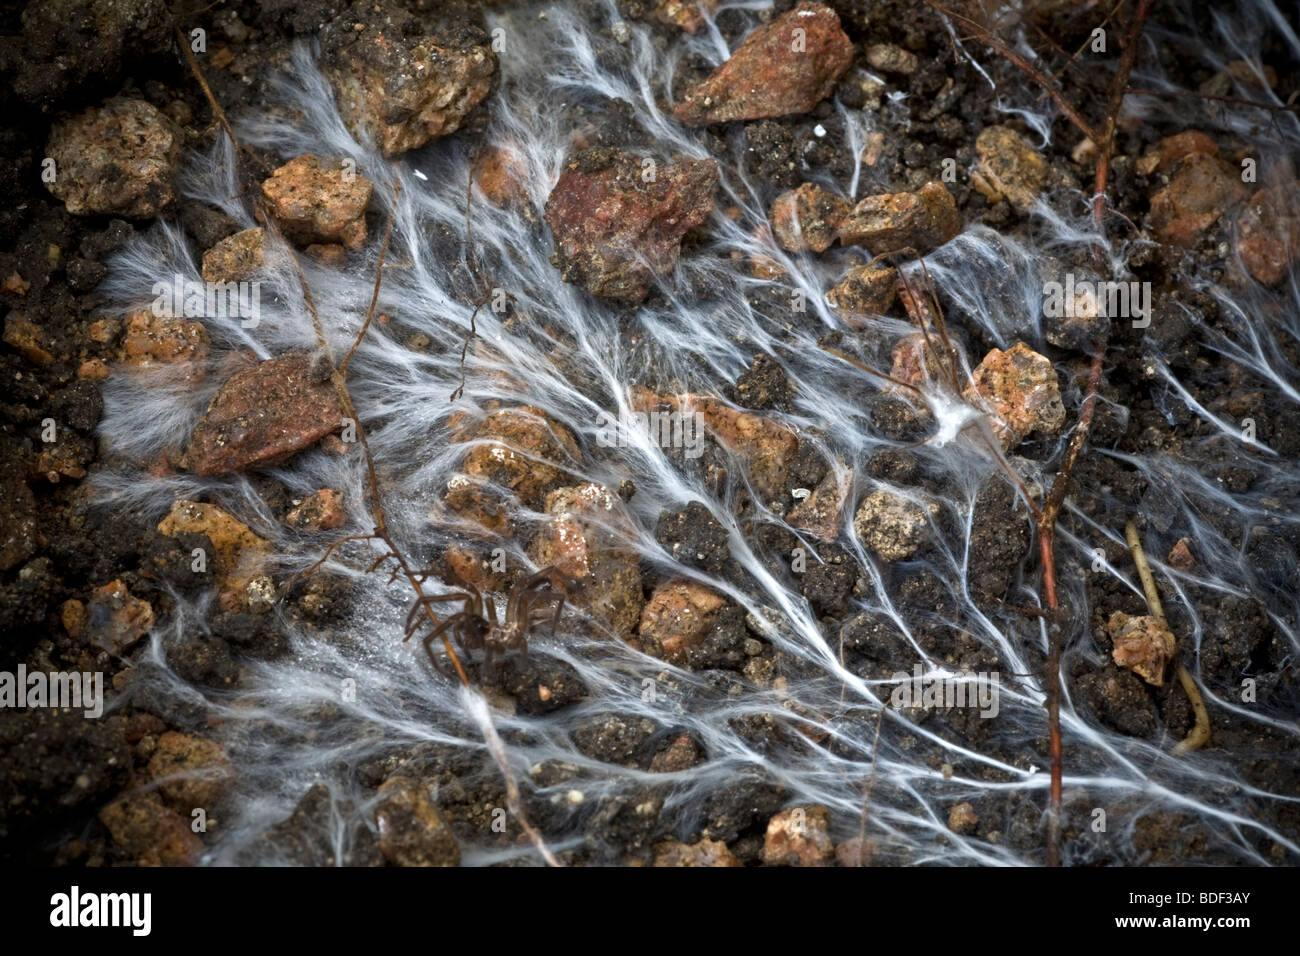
<point x="66" y="458"/>
<point x="241" y="556"/>
<point x="914" y="360"/>
<point x="784" y="67"/>
<point x="401" y="89"/>
<point x="93" y="370"/>
<point x="103" y="331"/>
<point x="687" y="15"/>
<point x="116" y="159"/>
<point x="191" y="772"/>
<point x="806" y="219"/>
<point x="150" y="340"/>
<point x="1142" y="644"/>
<point x="865" y="291"/>
<point x="113" y="618"/>
<point x="764" y="447"/>
<point x="676" y="618"/>
<point x="1170" y="150"/>
<point x="963" y="819"/>
<point x="473" y="563"/>
<point x="1201" y="190"/>
<point x="27" y="339"/>
<point x="893" y="222"/>
<point x="618" y="224"/>
<point x="821" y="514"/>
<point x="589" y="536"/>
<point x="682" y="754"/>
<point x="149" y="833"/>
<point x="500" y="172"/>
<point x="263" y="416"/>
<point x="1180" y="556"/>
<point x="704" y="853"/>
<point x="321" y="510"/>
<point x="1020" y="390"/>
<point x="235" y="258"/>
<point x="798" y="837"/>
<point x="1268" y="233"/>
<point x="518" y="455"/>
<point x="140" y="725"/>
<point x="14" y="284"/>
<point x="318" y="201"/>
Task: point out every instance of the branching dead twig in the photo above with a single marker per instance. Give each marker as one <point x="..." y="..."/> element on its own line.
<point x="381" y="533"/>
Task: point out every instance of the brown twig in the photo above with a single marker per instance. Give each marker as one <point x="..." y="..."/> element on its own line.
<point x="1200" y="732"/>
<point x="217" y="111"/>
<point x="1055" y="636"/>
<point x="866" y="796"/>
<point x="1119" y="87"/>
<point x="1038" y="76"/>
<point x="1084" y="45"/>
<point x="379" y="278"/>
<point x="1046" y="521"/>
<point x="1060" y="485"/>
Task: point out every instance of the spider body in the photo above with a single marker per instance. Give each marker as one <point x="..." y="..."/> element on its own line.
<point x="476" y="628"/>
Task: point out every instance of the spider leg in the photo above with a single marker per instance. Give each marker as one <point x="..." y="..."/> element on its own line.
<point x="476" y="598"/>
<point x="524" y="589"/>
<point x="412" y="616"/>
<point x="535" y="602"/>
<point x="464" y="640"/>
<point x="555" y="618"/>
<point x="436" y="633"/>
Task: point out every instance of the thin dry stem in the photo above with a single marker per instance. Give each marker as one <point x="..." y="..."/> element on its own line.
<point x="1035" y="74"/>
<point x="1200" y="733"/>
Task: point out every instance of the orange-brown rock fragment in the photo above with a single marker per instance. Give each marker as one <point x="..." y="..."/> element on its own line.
<point x="318" y="201"/>
<point x="893" y="222"/>
<point x="1020" y="390"/>
<point x="264" y="415"/>
<point x="784" y="67"/>
<point x="676" y="618"/>
<point x="590" y="537"/>
<point x="806" y="219"/>
<point x="798" y="837"/>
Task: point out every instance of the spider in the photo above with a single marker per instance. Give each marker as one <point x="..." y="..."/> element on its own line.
<point x="475" y="627"/>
